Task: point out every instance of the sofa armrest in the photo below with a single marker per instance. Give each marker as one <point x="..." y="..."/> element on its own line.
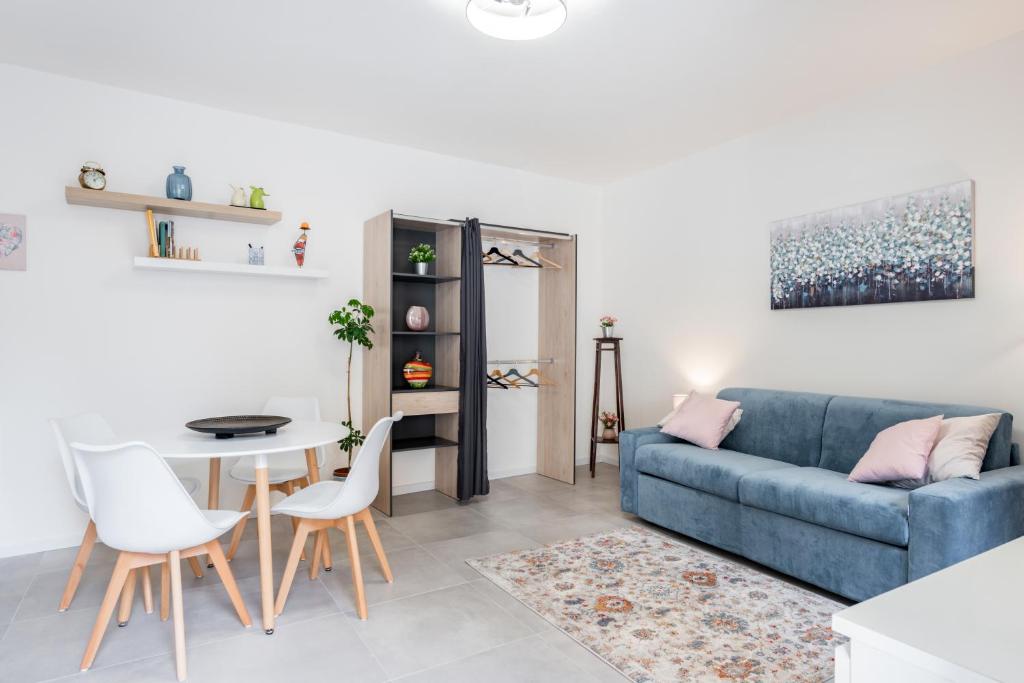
<point x="629" y="441"/>
<point x="958" y="518"/>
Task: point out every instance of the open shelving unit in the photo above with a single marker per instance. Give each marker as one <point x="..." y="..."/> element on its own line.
<point x="431" y="414"/>
<point x="171" y="207"/>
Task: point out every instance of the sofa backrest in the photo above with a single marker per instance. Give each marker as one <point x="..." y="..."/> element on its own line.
<point x="852" y="423"/>
<point x="781" y="425"/>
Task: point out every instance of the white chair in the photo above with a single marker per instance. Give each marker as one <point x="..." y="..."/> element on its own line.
<point x="93" y="429"/>
<point x="287" y="472"/>
<point x="337" y="504"/>
<point x="141" y="509"/>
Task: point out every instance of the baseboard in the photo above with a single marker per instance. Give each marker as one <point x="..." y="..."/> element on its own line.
<point x="417" y="486"/>
<point x="39" y="545"/>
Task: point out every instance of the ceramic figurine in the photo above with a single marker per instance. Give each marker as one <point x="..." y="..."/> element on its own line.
<point x="256" y="198"/>
<point x="238" y="196"/>
<point x="418" y="372"/>
<point x="179" y="185"/>
<point x="417" y="318"/>
<point x="300" y="244"/>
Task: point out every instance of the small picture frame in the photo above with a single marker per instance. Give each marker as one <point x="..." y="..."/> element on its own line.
<point x="13" y="242"/>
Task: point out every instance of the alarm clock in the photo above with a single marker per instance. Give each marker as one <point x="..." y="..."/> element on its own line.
<point x="92" y="176"/>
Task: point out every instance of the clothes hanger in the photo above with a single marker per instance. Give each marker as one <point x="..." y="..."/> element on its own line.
<point x="537" y="255"/>
<point x="492" y="382"/>
<point x="497" y="375"/>
<point x="487" y="258"/>
<point x="515" y="372"/>
<point x="497" y="252"/>
<point x="534" y="372"/>
<point x="520" y="254"/>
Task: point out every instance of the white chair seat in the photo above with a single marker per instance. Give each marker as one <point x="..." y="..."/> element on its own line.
<point x="315" y="502"/>
<point x="223" y="519"/>
<point x="244" y="471"/>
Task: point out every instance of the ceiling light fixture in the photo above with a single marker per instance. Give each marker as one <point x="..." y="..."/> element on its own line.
<point x="516" y="19"/>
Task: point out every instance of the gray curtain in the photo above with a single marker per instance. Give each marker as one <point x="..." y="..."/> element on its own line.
<point x="472" y="369"/>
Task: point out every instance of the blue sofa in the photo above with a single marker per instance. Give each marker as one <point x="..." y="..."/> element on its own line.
<point x="776" y="492"/>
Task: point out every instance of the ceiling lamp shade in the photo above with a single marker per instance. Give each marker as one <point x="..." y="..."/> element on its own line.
<point x="516" y="19"/>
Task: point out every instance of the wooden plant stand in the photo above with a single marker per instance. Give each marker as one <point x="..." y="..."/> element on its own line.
<point x="605" y="344"/>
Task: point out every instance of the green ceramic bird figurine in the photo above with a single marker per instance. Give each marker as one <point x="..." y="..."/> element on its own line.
<point x="256" y="197"/>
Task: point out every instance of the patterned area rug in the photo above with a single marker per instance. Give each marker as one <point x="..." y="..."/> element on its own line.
<point x="658" y="610"/>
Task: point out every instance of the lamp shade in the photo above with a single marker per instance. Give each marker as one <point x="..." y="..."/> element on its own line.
<point x="677" y="399"/>
<point x="517" y="19"/>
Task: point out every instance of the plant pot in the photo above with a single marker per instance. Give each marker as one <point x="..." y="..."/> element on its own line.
<point x="608" y="332"/>
<point x="417" y="318"/>
<point x="341" y="474"/>
<point x="608" y="434"/>
<point x="421" y="268"/>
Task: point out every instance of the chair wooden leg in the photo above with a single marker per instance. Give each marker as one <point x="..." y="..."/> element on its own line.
<point x="197" y="568"/>
<point x="371" y="530"/>
<point x="165" y="591"/>
<point x="301" y="533"/>
<point x="318" y="546"/>
<point x="326" y="552"/>
<point x="78" y="568"/>
<point x="117" y="580"/>
<point x="127" y="597"/>
<point x="236" y="536"/>
<point x="357" y="571"/>
<point x="147" y="590"/>
<point x="179" y="614"/>
<point x="220" y="563"/>
<point x="289" y="489"/>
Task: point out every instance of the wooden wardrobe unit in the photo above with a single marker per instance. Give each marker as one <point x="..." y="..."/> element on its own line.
<point x="431" y="414"/>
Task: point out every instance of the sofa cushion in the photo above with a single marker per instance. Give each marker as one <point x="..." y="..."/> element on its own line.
<point x="781" y="425"/>
<point x="852" y="423"/>
<point x="716" y="472"/>
<point x="826" y="498"/>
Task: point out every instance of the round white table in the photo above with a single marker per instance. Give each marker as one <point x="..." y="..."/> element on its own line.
<point x="298" y="435"/>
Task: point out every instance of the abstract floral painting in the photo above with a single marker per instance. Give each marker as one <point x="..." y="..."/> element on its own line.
<point x="912" y="247"/>
<point x="12" y="242"/>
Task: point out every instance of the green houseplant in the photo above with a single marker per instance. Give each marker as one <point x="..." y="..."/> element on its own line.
<point x="352" y="326"/>
<point x="421" y="256"/>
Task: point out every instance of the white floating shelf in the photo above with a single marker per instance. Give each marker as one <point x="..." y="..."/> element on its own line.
<point x="150" y="263"/>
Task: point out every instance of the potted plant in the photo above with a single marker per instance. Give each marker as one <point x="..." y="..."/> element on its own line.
<point x="352" y="326"/>
<point x="609" y="420"/>
<point x="608" y="325"/>
<point x="422" y="255"/>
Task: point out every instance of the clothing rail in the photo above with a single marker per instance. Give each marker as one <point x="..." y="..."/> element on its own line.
<point x="542" y="361"/>
<point x="512" y="240"/>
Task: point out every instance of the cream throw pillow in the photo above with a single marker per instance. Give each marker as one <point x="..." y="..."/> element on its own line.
<point x="961" y="446"/>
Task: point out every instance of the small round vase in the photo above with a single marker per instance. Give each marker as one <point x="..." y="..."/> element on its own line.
<point x="421" y="268"/>
<point x="417" y="372"/>
<point x="608" y="332"/>
<point x="608" y="434"/>
<point x="179" y="185"/>
<point x="417" y="318"/>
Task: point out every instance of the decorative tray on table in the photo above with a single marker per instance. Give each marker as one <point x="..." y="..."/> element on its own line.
<point x="227" y="427"/>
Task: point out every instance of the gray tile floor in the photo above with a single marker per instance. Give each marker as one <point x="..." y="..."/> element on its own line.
<point x="439" y="620"/>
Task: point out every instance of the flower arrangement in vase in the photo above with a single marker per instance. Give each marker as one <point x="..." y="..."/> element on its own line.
<point x="609" y="420"/>
<point x="608" y="325"/>
<point x="421" y="256"/>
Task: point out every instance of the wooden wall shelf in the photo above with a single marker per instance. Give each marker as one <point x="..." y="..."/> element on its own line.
<point x="171" y="207"/>
<point x="150" y="263"/>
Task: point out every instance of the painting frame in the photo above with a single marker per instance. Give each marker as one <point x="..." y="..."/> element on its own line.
<point x="910" y="247"/>
<point x="13" y="241"/>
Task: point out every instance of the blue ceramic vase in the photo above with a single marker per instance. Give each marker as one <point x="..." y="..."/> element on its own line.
<point x="179" y="185"/>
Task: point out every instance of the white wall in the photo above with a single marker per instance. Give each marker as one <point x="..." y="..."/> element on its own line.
<point x="688" y="244"/>
<point x="81" y="330"/>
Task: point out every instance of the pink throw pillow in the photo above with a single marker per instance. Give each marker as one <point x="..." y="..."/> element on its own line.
<point x="701" y="420"/>
<point x="899" y="452"/>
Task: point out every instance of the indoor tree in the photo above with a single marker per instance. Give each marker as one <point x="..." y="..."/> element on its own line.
<point x="352" y="326"/>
